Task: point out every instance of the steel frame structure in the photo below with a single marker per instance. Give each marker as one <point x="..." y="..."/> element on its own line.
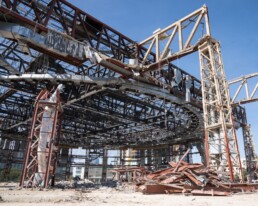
<point x="40" y="164"/>
<point x="220" y="136"/>
<point x="9" y="150"/>
<point x="250" y="155"/>
<point x="244" y="85"/>
<point x="93" y="70"/>
<point x="191" y="31"/>
<point x="109" y="102"/>
<point x="242" y="95"/>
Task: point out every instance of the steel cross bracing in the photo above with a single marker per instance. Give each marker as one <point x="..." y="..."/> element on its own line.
<point x="220" y="137"/>
<point x="9" y="155"/>
<point x="124" y="111"/>
<point x="95" y="71"/>
<point x="177" y="40"/>
<point x="62" y="16"/>
<point x="106" y="40"/>
<point x="250" y="155"/>
<point x="43" y="141"/>
<point x="243" y="95"/>
<point x="33" y="26"/>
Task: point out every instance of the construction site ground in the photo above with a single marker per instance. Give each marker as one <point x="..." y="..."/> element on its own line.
<point x="125" y="195"/>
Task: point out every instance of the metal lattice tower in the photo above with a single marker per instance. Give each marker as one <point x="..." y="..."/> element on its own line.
<point x="43" y="141"/>
<point x="249" y="149"/>
<point x="220" y="138"/>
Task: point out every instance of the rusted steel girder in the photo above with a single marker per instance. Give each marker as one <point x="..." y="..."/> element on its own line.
<point x="43" y="141"/>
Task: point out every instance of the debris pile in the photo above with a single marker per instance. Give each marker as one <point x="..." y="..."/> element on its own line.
<point x="193" y="179"/>
<point x="84" y="184"/>
<point x="75" y="184"/>
<point x="133" y="174"/>
<point x="182" y="177"/>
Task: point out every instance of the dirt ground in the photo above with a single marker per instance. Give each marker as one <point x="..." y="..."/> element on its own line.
<point x="11" y="195"/>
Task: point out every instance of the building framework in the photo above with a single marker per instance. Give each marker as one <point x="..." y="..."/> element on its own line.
<point x="118" y="94"/>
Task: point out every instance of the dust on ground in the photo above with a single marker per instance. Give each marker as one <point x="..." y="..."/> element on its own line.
<point x="65" y="194"/>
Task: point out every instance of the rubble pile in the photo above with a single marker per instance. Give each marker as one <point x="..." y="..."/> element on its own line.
<point x="84" y="184"/>
<point x="133" y="174"/>
<point x="75" y="184"/>
<point x="182" y="177"/>
<point x="193" y="179"/>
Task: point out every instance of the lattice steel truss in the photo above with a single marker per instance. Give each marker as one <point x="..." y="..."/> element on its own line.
<point x="43" y="142"/>
<point x="246" y="92"/>
<point x="250" y="155"/>
<point x="110" y="104"/>
<point x="129" y="95"/>
<point x="220" y="137"/>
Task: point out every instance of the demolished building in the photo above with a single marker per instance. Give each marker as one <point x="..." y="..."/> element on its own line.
<point x="118" y="94"/>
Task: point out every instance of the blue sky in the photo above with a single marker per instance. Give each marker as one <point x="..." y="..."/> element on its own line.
<point x="233" y="22"/>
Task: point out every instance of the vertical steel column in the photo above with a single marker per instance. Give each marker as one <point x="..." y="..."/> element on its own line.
<point x="149" y="159"/>
<point x="56" y="149"/>
<point x="9" y="158"/>
<point x="87" y="164"/>
<point x="68" y="164"/>
<point x="220" y="138"/>
<point x="158" y="158"/>
<point x="122" y="157"/>
<point x="142" y="157"/>
<point x="249" y="151"/>
<point x="104" y="165"/>
<point x="31" y="175"/>
<point x="201" y="149"/>
<point x="63" y="163"/>
<point x="168" y="154"/>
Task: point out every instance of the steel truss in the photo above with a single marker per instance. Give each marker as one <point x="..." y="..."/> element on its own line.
<point x="220" y="136"/>
<point x="116" y="46"/>
<point x="243" y="95"/>
<point x="10" y="148"/>
<point x="250" y="155"/>
<point x="43" y="141"/>
<point x="150" y="102"/>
